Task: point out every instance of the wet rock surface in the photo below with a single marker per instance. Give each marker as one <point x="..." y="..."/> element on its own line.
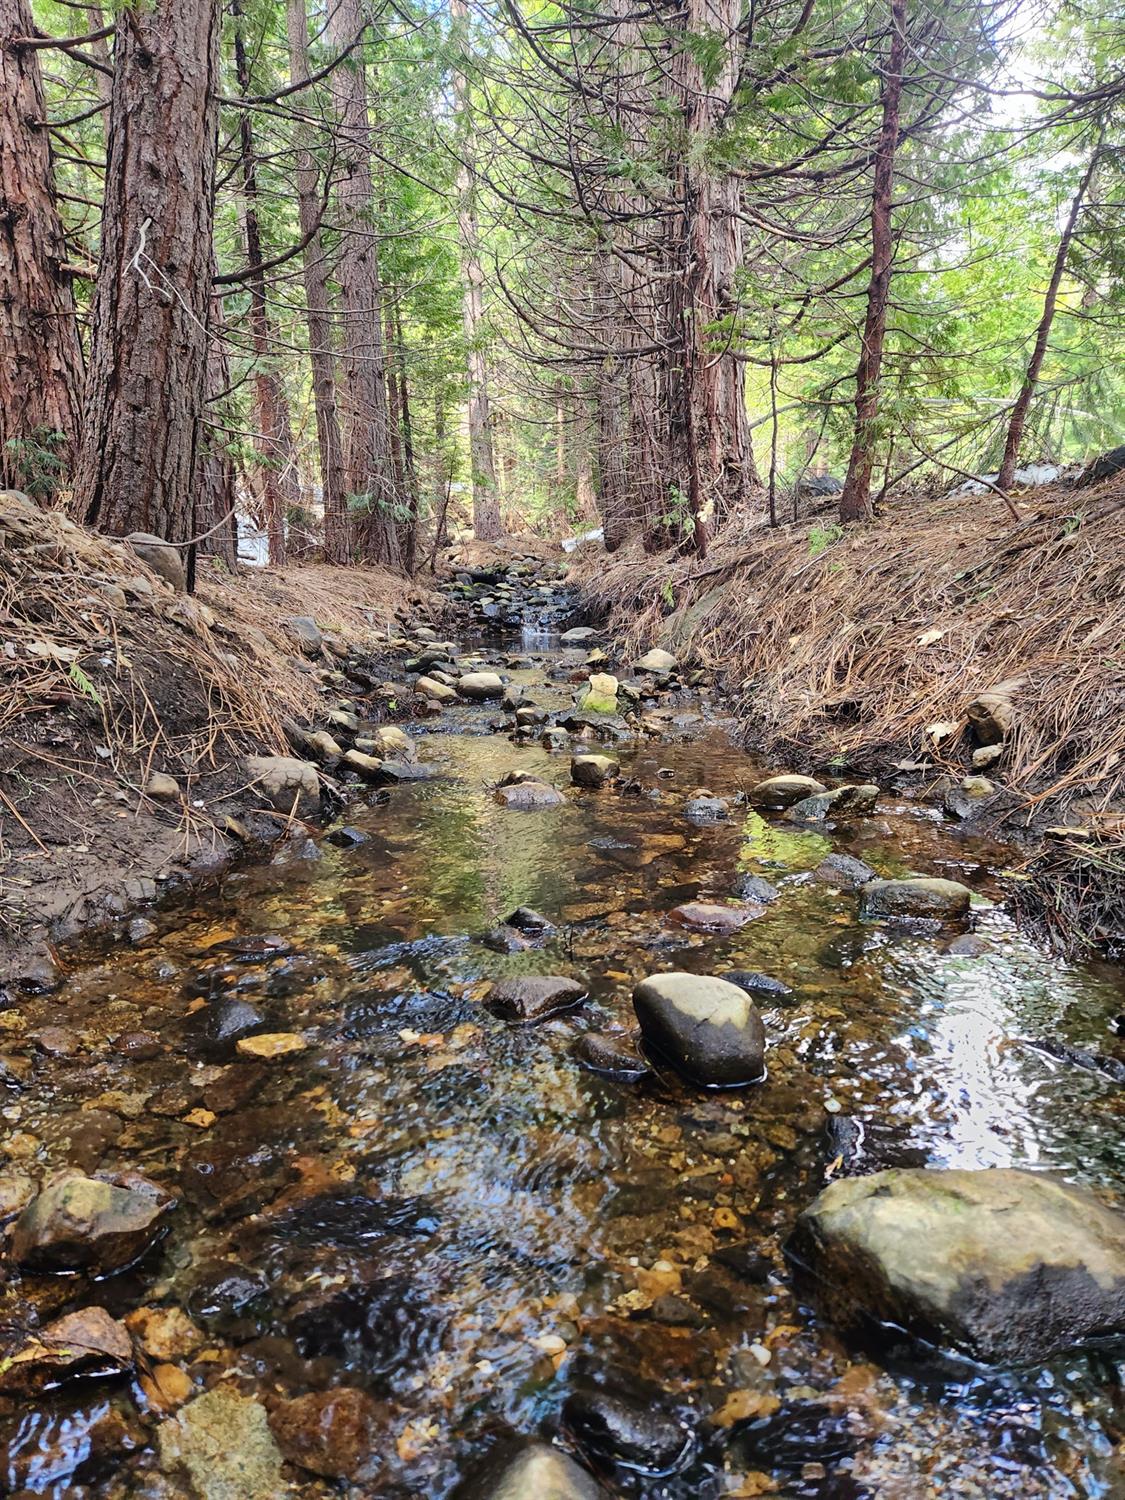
<point x="90" y="1223"/>
<point x="535" y="998"/>
<point x="1001" y="1265"/>
<point x="708" y="1029"/>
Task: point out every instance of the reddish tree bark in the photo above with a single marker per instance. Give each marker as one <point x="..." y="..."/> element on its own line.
<point x="856" y="495"/>
<point x="710" y="406"/>
<point x="40" y="353"/>
<point x="487" y="525"/>
<point x="146" y="383"/>
<point x="318" y="317"/>
<point x="281" y="490"/>
<point x="1043" y="332"/>
<point x="364" y="403"/>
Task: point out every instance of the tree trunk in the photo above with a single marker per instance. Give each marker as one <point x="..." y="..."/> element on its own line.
<point x="856" y="495"/>
<point x="281" y="491"/>
<point x="1027" y="391"/>
<point x="487" y="524"/>
<point x="442" y="476"/>
<point x="40" y="353"/>
<point x="146" y="383"/>
<point x="716" y="450"/>
<point x="365" y="408"/>
<point x="217" y="474"/>
<point x="318" y="309"/>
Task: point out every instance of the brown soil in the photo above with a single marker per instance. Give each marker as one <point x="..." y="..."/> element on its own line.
<point x="106" y="676"/>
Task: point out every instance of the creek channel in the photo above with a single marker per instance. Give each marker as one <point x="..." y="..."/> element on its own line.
<point x="450" y="1215"/>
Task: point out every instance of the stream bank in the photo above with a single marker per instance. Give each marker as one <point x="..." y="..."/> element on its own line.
<point x="393" y="1228"/>
<point x="871" y="651"/>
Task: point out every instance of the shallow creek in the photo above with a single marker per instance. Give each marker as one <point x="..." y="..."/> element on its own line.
<point x="451" y="1214"/>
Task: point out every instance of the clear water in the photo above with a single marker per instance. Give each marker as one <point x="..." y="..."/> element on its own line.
<point x="426" y="1200"/>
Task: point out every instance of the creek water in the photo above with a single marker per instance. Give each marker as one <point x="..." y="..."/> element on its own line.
<point x="451" y="1214"/>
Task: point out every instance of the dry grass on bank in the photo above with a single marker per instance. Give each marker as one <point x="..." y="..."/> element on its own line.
<point x="107" y="675"/>
<point x="862" y="650"/>
<point x="849" y="646"/>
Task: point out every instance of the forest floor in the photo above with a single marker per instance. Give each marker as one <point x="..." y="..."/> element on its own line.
<point x="109" y="679"/>
<point x="861" y="651"/>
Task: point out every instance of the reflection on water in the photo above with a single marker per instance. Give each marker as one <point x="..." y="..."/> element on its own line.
<point x="448" y="1212"/>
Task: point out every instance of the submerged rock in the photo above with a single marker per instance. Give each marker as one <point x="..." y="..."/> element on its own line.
<point x="754" y="888"/>
<point x="613" y="1056"/>
<point x="593" y="770"/>
<point x="529" y="796"/>
<point x="534" y="1473"/>
<point x="779" y="792"/>
<point x="88" y="1343"/>
<point x="534" y="997"/>
<point x="630" y="1432"/>
<point x="96" y="1224"/>
<point x="704" y="809"/>
<point x="707" y="1028"/>
<point x="223" y="1443"/>
<point x="1000" y="1265"/>
<point x="712" y="916"/>
<point x="916" y="897"/>
<point x="814" y="809"/>
<point x="843" y="870"/>
<point x="756" y="983"/>
<point x="327" y="1432"/>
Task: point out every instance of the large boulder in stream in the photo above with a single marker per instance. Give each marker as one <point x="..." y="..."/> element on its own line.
<point x="779" y="792"/>
<point x="1000" y="1265"/>
<point x="96" y="1224"/>
<point x="479" y="687"/>
<point x="709" y="1030"/>
<point x="920" y="896"/>
<point x="536" y="1472"/>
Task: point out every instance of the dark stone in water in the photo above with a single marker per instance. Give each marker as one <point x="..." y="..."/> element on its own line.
<point x="222" y="1292"/>
<point x="252" y="950"/>
<point x="1078" y="1057"/>
<point x="744" y="1261"/>
<point x="355" y="1311"/>
<point x="845" y="1137"/>
<point x="613" y="1056"/>
<point x="350" y="1220"/>
<point x="754" y="888"/>
<point x="526" y="919"/>
<point x="625" y="1431"/>
<point x="214" y="1029"/>
<point x="230" y="1178"/>
<point x="505" y="939"/>
<point x="676" y="1312"/>
<point x="844" y="870"/>
<point x="327" y="1432"/>
<point x="804" y="1432"/>
<point x="757" y="984"/>
<point x="705" y="810"/>
<point x="346" y="837"/>
<point x="534" y="997"/>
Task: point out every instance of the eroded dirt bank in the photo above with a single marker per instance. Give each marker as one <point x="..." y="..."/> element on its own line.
<point x="128" y="711"/>
<point x="943" y="641"/>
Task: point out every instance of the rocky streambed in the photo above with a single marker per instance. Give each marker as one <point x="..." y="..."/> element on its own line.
<point x="584" y="1109"/>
